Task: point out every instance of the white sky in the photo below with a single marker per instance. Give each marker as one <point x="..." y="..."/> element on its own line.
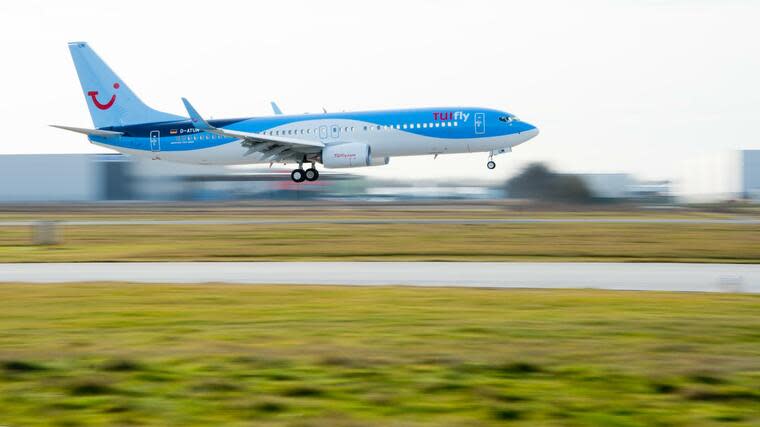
<point x="614" y="85"/>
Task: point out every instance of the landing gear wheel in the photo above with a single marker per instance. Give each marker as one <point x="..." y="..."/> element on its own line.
<point x="312" y="174"/>
<point x="491" y="164"/>
<point x="298" y="175"/>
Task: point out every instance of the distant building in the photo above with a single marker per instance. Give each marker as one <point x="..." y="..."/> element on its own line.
<point x="608" y="185"/>
<point x="96" y="177"/>
<point x="652" y="190"/>
<point x="624" y="186"/>
<point x="718" y="176"/>
<point x="750" y="164"/>
<point x="53" y="177"/>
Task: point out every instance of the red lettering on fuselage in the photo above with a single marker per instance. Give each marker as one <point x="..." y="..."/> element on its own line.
<point x="443" y="116"/>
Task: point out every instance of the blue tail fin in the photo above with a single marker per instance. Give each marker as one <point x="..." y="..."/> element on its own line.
<point x="110" y="100"/>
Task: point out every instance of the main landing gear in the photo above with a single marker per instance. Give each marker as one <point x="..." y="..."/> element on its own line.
<point x="300" y="175"/>
<point x="312" y="174"/>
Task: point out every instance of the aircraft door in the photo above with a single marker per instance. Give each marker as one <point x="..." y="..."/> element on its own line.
<point x="323" y="132"/>
<point x="155" y="141"/>
<point x="480" y="123"/>
<point x="335" y="131"/>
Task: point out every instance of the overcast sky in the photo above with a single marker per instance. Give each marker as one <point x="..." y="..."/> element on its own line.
<point x="614" y="85"/>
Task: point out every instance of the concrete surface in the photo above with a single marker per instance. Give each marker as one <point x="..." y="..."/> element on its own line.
<point x="624" y="276"/>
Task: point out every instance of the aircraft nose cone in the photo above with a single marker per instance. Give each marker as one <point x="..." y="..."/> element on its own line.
<point x="531" y="131"/>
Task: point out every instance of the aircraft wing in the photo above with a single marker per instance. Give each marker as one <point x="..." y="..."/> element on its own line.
<point x="258" y="137"/>
<point x="273" y="148"/>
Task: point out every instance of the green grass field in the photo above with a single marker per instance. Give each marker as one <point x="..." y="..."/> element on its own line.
<point x="345" y="242"/>
<point x="358" y="210"/>
<point x="386" y="242"/>
<point x="117" y="354"/>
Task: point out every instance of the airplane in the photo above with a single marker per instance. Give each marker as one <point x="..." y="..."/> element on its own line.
<point x="336" y="140"/>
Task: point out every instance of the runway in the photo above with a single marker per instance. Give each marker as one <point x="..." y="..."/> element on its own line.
<point x="617" y="276"/>
<point x="422" y="221"/>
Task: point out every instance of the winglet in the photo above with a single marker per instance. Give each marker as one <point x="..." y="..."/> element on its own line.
<point x="276" y="109"/>
<point x="196" y="118"/>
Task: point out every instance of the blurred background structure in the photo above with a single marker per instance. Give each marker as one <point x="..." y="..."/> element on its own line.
<point x="114" y="177"/>
<point x="713" y="177"/>
<point x="719" y="176"/>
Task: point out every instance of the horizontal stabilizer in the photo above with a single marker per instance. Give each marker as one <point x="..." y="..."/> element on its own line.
<point x="90" y="132"/>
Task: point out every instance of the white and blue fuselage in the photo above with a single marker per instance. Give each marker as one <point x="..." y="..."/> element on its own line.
<point x="388" y="133"/>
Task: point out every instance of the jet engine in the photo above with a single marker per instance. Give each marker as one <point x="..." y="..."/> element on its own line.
<point x="350" y="155"/>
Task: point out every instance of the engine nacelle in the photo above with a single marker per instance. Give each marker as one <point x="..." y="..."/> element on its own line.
<point x="379" y="161"/>
<point x="350" y="155"/>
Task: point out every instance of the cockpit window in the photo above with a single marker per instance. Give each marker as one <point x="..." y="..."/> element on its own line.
<point x="507" y="119"/>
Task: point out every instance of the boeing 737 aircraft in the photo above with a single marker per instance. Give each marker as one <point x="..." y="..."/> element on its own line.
<point x="336" y="140"/>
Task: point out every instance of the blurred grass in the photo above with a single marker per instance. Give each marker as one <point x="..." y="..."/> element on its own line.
<point x="381" y="242"/>
<point x="119" y="354"/>
<point x="357" y="210"/>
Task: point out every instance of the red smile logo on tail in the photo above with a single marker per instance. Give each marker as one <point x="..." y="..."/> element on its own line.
<point x="94" y="95"/>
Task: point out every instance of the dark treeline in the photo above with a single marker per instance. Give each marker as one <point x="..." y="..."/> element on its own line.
<point x="538" y="182"/>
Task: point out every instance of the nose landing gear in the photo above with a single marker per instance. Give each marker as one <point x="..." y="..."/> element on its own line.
<point x="491" y="164"/>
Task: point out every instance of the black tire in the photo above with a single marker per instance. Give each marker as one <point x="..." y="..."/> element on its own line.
<point x="491" y="164"/>
<point x="312" y="174"/>
<point x="298" y="175"/>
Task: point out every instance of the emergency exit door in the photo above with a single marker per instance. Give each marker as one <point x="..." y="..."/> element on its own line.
<point x="155" y="141"/>
<point x="480" y="123"/>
